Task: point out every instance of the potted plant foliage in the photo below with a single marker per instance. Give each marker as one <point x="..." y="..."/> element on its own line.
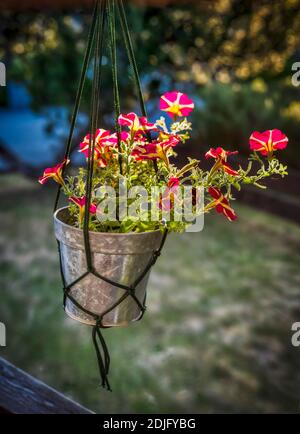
<point x="133" y="205"/>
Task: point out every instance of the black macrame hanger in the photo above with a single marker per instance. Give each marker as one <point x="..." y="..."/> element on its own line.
<point x="104" y="15"/>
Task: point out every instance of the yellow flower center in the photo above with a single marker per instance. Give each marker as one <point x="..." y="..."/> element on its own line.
<point x="175" y="109"/>
<point x="270" y="145"/>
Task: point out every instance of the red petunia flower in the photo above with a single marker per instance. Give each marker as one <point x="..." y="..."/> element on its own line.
<point x="173" y="182"/>
<point x="268" y="141"/>
<point x="98" y="158"/>
<point x="221" y="204"/>
<point x="157" y="149"/>
<point x="166" y="202"/>
<point x="135" y="123"/>
<point x="124" y="136"/>
<point x="54" y="172"/>
<point x="145" y="152"/>
<point x="81" y="202"/>
<point x="220" y="155"/>
<point x="176" y="104"/>
<point x="102" y="138"/>
<point x="105" y="142"/>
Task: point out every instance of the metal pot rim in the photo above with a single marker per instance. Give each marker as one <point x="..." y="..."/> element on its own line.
<point x="114" y="234"/>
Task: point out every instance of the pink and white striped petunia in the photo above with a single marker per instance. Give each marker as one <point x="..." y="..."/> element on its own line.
<point x="167" y="140"/>
<point x="157" y="149"/>
<point x="176" y="104"/>
<point x="136" y="124"/>
<point x="54" y="172"/>
<point x="105" y="138"/>
<point x="220" y="155"/>
<point x="102" y="138"/>
<point x="98" y="155"/>
<point x="268" y="141"/>
<point x="221" y="204"/>
<point x="105" y="142"/>
<point x="145" y="152"/>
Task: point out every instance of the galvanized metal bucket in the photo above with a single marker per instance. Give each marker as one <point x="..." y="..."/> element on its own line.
<point x="119" y="257"/>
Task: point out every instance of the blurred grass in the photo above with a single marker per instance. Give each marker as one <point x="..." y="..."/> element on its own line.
<point x="216" y="337"/>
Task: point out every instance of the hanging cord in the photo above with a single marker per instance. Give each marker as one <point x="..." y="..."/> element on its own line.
<point x="101" y="349"/>
<point x="79" y="93"/>
<point x="93" y="125"/>
<point x="131" y="56"/>
<point x="103" y="9"/>
<point x="113" y="54"/>
<point x="134" y="67"/>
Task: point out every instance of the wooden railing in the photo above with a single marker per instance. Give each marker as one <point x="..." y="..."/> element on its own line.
<point x="22" y="394"/>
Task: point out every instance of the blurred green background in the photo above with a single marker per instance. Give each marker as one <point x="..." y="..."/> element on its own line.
<point x="217" y="334"/>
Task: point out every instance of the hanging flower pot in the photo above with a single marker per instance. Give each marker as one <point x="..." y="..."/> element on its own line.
<point x="120" y="258"/>
<point x="105" y="262"/>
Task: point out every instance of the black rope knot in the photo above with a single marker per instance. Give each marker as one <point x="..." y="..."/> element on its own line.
<point x="131" y="291"/>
